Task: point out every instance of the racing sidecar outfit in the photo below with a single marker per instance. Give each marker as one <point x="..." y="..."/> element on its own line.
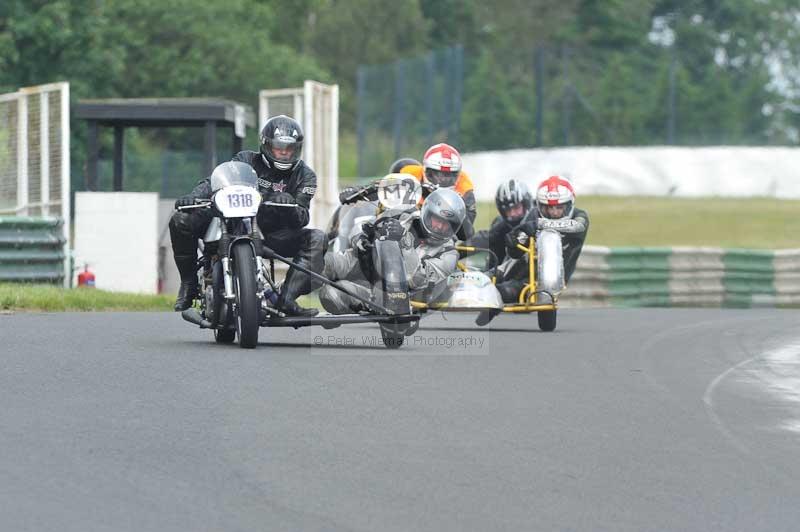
<point x="283" y="228"/>
<point x="512" y="274"/>
<point x="427" y="263"/>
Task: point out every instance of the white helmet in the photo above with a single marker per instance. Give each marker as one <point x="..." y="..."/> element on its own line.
<point x="554" y="191"/>
<point x="441" y="165"/>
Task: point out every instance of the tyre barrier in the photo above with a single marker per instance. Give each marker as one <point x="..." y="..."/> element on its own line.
<point x="684" y="277"/>
<point x="31" y="250"/>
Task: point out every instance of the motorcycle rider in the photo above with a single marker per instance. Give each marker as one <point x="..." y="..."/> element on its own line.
<point x="283" y="178"/>
<point x="401" y="163"/>
<point x="441" y="167"/>
<point x="347" y="192"/>
<point x="513" y="200"/>
<point x="554" y="208"/>
<point x="428" y="248"/>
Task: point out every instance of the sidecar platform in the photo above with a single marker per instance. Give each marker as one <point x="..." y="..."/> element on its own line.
<point x="331" y="321"/>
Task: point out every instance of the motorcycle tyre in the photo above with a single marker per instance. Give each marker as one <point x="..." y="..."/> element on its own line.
<point x="547" y="320"/>
<point x="247" y="308"/>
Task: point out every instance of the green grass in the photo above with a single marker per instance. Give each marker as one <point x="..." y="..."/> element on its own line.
<point x="47" y="298"/>
<point x="759" y="223"/>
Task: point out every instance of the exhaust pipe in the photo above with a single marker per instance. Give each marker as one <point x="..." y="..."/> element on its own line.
<point x="192" y="316"/>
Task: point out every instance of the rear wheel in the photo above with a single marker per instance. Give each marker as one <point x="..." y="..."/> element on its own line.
<point x="391" y="338"/>
<point x="244" y="271"/>
<point x="547" y="320"/>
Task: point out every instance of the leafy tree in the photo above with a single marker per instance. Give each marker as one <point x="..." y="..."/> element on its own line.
<point x="494" y="116"/>
<point x="344" y="35"/>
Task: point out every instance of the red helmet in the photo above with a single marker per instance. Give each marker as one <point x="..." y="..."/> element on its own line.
<point x="442" y="164"/>
<point x="555" y="191"/>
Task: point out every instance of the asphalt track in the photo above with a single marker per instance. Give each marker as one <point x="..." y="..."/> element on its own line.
<point x="621" y="420"/>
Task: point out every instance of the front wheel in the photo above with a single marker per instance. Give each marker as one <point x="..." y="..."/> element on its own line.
<point x="547" y="320"/>
<point x="391" y="338"/>
<point x="224" y="336"/>
<point x="244" y="273"/>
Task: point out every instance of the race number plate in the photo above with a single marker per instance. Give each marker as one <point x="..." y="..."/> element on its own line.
<point x="237" y="201"/>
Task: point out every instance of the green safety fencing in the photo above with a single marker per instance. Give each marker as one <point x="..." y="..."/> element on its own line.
<point x="685" y="276"/>
<point x="31" y="250"/>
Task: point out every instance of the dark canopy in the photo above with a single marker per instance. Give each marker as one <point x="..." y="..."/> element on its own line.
<point x="161" y="112"/>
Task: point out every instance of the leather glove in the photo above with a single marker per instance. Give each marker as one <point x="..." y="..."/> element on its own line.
<point x="184" y="201"/>
<point x="390" y="229"/>
<point x="512" y="239"/>
<point x="283" y="198"/>
<point x="368" y="230"/>
<point x="528" y="227"/>
<point x="362" y="243"/>
<point x="344" y="195"/>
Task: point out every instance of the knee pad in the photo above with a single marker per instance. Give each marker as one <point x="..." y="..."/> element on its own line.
<point x="332" y="300"/>
<point x="315" y="240"/>
<point x="180" y="233"/>
<point x="179" y="223"/>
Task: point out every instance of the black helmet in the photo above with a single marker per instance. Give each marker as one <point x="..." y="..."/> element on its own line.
<point x="399" y="164"/>
<point x="284" y="134"/>
<point x="513" y="200"/>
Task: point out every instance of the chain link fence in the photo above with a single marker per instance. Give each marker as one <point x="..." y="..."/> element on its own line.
<point x="34" y="151"/>
<point x="552" y="96"/>
<point x="35" y="183"/>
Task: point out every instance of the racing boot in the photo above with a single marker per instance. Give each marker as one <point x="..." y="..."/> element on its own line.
<point x="189" y="289"/>
<point x="510" y="290"/>
<point x="292" y="287"/>
<point x="485" y="316"/>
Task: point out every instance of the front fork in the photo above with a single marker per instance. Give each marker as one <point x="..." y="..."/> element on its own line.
<point x="224" y="244"/>
<point x="227" y="275"/>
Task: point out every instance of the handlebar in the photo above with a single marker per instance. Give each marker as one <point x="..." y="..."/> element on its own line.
<point x="199" y="204"/>
<point x="361" y="194"/>
<point x="273" y="204"/>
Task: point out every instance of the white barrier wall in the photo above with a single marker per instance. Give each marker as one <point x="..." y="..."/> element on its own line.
<point x="651" y="171"/>
<point x="116" y="233"/>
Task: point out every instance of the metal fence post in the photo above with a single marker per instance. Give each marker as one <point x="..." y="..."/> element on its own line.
<point x="361" y="112"/>
<point x="398" y="118"/>
<point x="22" y="154"/>
<point x="44" y="152"/>
<point x="671" y="100"/>
<point x="66" y="191"/>
<point x="538" y="79"/>
<point x="429" y="67"/>
<point x="566" y="97"/>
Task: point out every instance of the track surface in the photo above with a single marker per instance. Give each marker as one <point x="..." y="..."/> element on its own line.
<point x="621" y="420"/>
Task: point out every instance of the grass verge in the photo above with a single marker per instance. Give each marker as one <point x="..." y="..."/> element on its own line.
<point x="47" y="298"/>
<point x="755" y="223"/>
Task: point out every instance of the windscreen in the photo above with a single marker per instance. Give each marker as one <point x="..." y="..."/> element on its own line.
<point x="233" y="173"/>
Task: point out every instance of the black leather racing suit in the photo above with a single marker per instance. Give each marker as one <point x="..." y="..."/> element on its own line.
<point x="493" y="238"/>
<point x="283" y="228"/>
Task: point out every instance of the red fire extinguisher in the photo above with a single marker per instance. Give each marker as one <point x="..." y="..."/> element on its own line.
<point x="86" y="278"/>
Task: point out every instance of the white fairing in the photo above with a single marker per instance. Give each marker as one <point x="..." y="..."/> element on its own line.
<point x="214" y="231"/>
<point x="468" y="291"/>
<point x="550" y="274"/>
<point x="237" y="201"/>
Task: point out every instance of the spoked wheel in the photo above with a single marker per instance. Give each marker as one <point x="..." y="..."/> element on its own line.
<point x="547" y="320"/>
<point x="391" y="338"/>
<point x="224" y="336"/>
<point x="244" y="271"/>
